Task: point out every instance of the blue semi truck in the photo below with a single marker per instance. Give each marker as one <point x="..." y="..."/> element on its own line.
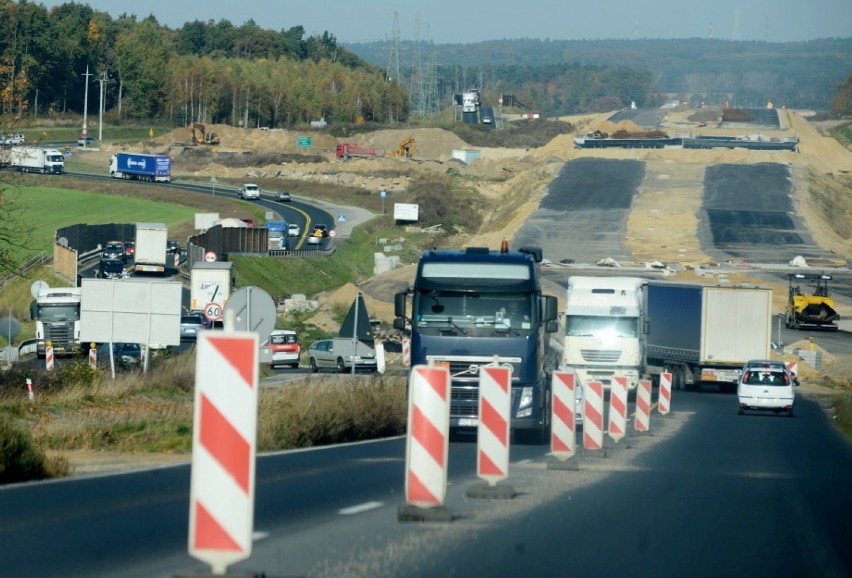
<point x="143" y="167"/>
<point x="472" y="305"/>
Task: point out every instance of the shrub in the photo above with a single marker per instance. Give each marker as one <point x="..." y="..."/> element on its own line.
<point x="21" y="460"/>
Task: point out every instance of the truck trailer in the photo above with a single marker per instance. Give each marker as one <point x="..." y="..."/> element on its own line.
<point x="139" y="166"/>
<point x="150" y="253"/>
<point x="210" y="283"/>
<point x="703" y="333"/>
<point x="34" y="160"/>
<point x="471" y="306"/>
<point x="604" y="325"/>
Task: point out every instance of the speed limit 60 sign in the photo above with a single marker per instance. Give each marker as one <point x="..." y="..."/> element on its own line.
<point x="213" y="312"/>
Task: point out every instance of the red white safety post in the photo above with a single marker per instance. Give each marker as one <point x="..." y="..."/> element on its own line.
<point x="221" y="509"/>
<point x="665" y="393"/>
<point x="642" y="422"/>
<point x="406" y="351"/>
<point x="563" y="429"/>
<point x="428" y="436"/>
<point x="93" y="357"/>
<point x="593" y="416"/>
<point x="618" y="408"/>
<point x="48" y="357"/>
<point x="495" y="408"/>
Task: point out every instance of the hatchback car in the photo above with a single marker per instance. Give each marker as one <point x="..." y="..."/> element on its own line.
<point x="173" y="247"/>
<point x="284" y="348"/>
<point x="336" y="354"/>
<point x="191" y="325"/>
<point x="283" y="196"/>
<point x="126" y="355"/>
<point x="293" y="230"/>
<point x="766" y="389"/>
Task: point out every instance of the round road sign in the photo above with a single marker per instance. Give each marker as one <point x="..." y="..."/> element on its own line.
<point x="331" y="233"/>
<point x="210" y="256"/>
<point x="213" y="312"/>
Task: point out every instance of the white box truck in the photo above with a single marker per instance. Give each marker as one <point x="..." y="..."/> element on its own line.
<point x="210" y="283"/>
<point x="150" y="255"/>
<point x="35" y="160"/>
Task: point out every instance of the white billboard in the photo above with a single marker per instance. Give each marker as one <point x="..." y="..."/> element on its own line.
<point x="406" y="212"/>
<point x="130" y="311"/>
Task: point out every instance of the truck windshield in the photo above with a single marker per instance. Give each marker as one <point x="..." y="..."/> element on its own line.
<point x="470" y="309"/>
<point x="59" y="312"/>
<point x="595" y="326"/>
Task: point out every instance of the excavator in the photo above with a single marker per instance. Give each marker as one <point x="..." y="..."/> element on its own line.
<point x="208" y="138"/>
<point x="815" y="310"/>
<point x="405" y="150"/>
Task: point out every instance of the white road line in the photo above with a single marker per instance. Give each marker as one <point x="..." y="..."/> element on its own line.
<point x="259" y="535"/>
<point x="365" y="507"/>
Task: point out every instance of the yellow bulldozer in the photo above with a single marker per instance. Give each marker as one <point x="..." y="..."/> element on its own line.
<point x="405" y="150"/>
<point x="812" y="308"/>
<point x="201" y="136"/>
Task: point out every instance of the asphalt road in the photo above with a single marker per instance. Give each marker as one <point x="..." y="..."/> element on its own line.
<point x="709" y="493"/>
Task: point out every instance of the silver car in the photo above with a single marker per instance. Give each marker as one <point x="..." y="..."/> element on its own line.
<point x="336" y="354"/>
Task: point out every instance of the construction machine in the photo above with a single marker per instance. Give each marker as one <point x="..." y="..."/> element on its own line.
<point x="814" y="309"/>
<point x="199" y="130"/>
<point x="405" y="150"/>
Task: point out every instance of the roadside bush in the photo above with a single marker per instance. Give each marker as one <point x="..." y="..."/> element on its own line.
<point x="21" y="460"/>
<point x="446" y="202"/>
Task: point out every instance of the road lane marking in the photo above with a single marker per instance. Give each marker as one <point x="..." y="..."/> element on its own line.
<point x="365" y="507"/>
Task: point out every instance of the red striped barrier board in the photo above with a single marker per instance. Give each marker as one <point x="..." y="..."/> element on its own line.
<point x="495" y="407"/>
<point x="642" y="422"/>
<point x="665" y="393"/>
<point x="618" y="409"/>
<point x="428" y="436"/>
<point x="221" y="513"/>
<point x="563" y="430"/>
<point x="593" y="416"/>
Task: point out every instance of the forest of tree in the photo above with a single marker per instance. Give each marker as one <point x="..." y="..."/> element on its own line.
<point x="203" y="72"/>
<point x="246" y="75"/>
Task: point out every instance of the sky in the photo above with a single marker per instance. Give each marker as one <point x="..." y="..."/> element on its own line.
<point x="451" y="21"/>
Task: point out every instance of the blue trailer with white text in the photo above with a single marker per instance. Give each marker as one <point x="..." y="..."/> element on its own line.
<point x="472" y="306"/>
<point x="143" y="167"/>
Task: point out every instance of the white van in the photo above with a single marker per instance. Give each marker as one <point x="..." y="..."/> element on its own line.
<point x="250" y="191"/>
<point x="766" y="389"/>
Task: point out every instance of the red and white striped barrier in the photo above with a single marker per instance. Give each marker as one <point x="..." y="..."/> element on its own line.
<point x="406" y="352"/>
<point x="48" y="357"/>
<point x="495" y="408"/>
<point x="93" y="357"/>
<point x="221" y="513"/>
<point x="792" y="367"/>
<point x="593" y="412"/>
<point x="618" y="409"/>
<point x="665" y="394"/>
<point x="642" y="422"/>
<point x="563" y="429"/>
<point x="428" y="436"/>
<point x="30" y="393"/>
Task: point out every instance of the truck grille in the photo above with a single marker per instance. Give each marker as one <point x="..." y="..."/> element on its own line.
<point x="464" y="401"/>
<point x="601" y="355"/>
<point x="60" y="333"/>
<point x="466" y="369"/>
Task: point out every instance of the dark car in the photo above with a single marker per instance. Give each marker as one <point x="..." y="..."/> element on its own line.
<point x="126" y="355"/>
<point x="113" y="251"/>
<point x="111" y="268"/>
<point x="173" y="247"/>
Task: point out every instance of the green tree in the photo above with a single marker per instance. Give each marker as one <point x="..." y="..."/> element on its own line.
<point x="142" y="56"/>
<point x="841" y="102"/>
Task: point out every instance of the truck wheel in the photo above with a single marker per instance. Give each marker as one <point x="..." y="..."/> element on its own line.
<point x="341" y="367"/>
<point x="312" y="363"/>
<point x="294" y="365"/>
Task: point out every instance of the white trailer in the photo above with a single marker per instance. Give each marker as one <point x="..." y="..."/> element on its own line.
<point x="36" y="160"/>
<point x="604" y="329"/>
<point x="150" y="254"/>
<point x="210" y="283"/>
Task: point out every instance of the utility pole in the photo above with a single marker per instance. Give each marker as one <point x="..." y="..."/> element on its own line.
<point x="85" y="134"/>
<point x="102" y="80"/>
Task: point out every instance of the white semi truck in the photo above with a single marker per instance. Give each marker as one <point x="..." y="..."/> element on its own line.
<point x="604" y="329"/>
<point x="34" y="159"/>
<point x="56" y="312"/>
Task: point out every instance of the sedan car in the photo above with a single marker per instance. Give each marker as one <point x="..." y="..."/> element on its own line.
<point x="293" y="230"/>
<point x="126" y="355"/>
<point x="766" y="389"/>
<point x="282" y="196"/>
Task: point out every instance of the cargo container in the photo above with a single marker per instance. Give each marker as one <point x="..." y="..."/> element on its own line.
<point x="34" y="160"/>
<point x="150" y="254"/>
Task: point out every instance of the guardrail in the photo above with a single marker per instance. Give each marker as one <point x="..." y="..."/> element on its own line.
<point x="31" y="263"/>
